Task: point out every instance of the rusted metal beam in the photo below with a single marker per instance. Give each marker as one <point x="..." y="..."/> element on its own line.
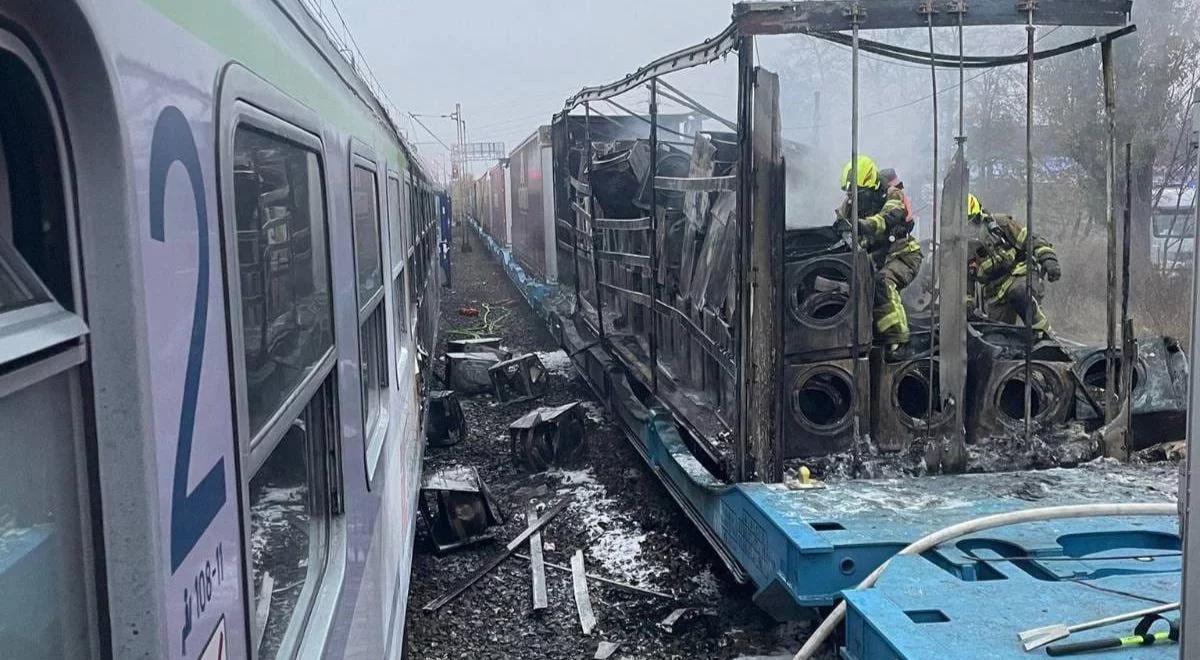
<point x="760" y="18"/>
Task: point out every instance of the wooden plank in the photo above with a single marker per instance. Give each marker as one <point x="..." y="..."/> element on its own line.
<point x="754" y="18"/>
<point x="537" y="566"/>
<point x="437" y="603"/>
<point x="605" y="650"/>
<point x="604" y="580"/>
<point x="696" y="183"/>
<point x="579" y="207"/>
<point x="583" y="603"/>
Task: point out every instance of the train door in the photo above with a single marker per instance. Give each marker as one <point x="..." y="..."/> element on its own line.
<point x="48" y="607"/>
<point x="279" y="284"/>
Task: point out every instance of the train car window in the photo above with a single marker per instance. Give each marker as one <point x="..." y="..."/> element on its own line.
<point x="395" y="223"/>
<point x="47" y="596"/>
<point x="366" y="234"/>
<point x="289" y="526"/>
<point x="373" y="360"/>
<point x="282" y="262"/>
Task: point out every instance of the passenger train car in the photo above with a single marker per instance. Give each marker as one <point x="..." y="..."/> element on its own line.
<point x="218" y="286"/>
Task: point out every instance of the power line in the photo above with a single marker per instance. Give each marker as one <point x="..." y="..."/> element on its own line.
<point x="434" y="135"/>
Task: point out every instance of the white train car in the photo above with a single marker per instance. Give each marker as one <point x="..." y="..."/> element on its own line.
<point x="218" y="284"/>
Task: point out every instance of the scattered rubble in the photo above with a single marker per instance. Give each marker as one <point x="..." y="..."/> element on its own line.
<point x="630" y="591"/>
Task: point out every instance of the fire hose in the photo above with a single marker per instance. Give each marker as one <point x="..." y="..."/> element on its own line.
<point x="835" y="617"/>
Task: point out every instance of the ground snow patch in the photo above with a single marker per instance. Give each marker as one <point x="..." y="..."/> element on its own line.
<point x="615" y="540"/>
<point x="557" y="362"/>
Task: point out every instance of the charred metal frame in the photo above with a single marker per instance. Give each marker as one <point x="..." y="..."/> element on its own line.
<point x="756" y="453"/>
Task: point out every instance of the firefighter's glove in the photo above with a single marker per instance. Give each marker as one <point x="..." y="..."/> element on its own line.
<point x="896" y="218"/>
<point x="1052" y="270"/>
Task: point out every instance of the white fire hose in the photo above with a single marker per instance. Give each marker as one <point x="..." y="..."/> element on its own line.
<point x="835" y="617"/>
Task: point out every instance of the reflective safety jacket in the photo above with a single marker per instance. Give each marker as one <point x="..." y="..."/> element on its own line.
<point x="1002" y="250"/>
<point x="888" y="231"/>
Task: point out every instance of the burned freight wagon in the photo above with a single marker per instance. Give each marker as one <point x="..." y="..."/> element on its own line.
<point x="738" y="351"/>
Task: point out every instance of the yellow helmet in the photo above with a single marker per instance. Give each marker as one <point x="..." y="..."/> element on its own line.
<point x="868" y="175"/>
<point x="973" y="206"/>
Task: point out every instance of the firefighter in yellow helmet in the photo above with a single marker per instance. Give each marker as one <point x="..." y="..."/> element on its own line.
<point x="885" y="225"/>
<point x="999" y="267"/>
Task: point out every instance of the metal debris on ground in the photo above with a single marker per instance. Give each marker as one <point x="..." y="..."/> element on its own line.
<point x="468" y="372"/>
<point x="605" y="650"/>
<point x="548" y="436"/>
<point x="680" y="618"/>
<point x="457" y="508"/>
<point x="445" y="425"/>
<point x="519" y="379"/>
<point x="478" y="345"/>
<point x="668" y="624"/>
<point x="437" y="603"/>
<point x="468" y="311"/>
<point x="583" y="603"/>
<point x="537" y="566"/>
<point x="592" y="576"/>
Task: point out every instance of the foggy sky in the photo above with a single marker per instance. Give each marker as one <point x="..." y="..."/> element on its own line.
<point x="512" y="63"/>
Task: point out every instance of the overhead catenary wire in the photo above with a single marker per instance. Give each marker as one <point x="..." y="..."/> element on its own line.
<point x="430" y="132"/>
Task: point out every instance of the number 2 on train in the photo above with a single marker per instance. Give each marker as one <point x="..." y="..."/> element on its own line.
<point x="191" y="513"/>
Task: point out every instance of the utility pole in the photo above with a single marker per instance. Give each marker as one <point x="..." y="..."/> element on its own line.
<point x="459" y="167"/>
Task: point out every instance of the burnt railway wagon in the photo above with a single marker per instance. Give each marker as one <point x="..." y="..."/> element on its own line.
<point x="217" y="284"/>
<point x="727" y="344"/>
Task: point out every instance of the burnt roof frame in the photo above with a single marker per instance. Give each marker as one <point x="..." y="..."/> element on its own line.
<point x="802" y="16"/>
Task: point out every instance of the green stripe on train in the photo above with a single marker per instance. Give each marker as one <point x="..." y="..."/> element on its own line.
<point x="229" y="30"/>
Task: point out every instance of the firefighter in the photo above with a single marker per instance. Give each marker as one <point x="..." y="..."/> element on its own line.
<point x="885" y="225"/>
<point x="999" y="267"/>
